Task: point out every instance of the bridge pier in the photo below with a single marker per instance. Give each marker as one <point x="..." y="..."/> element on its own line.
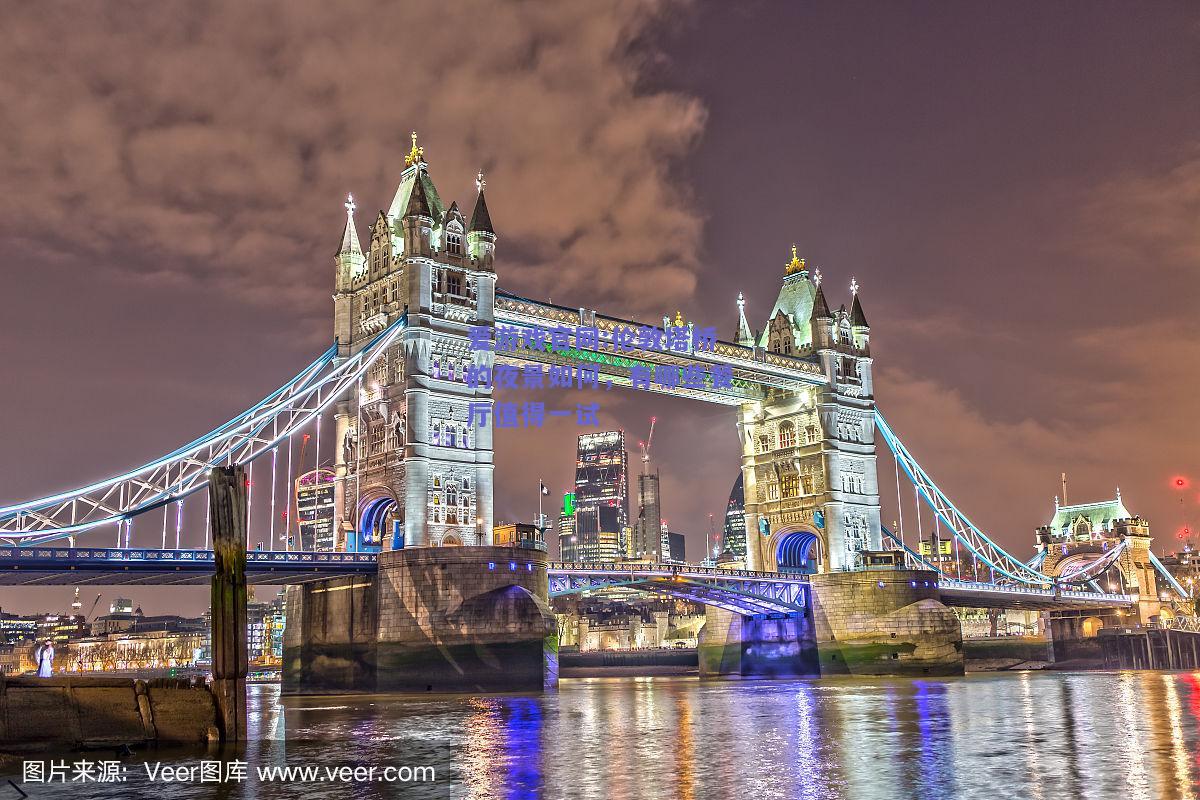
<point x="441" y="619"/>
<point x="884" y="622"/>
<point x="1073" y="633"/>
<point x="759" y="646"/>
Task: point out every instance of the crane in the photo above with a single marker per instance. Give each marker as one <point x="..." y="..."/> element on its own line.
<point x="92" y="610"/>
<point x="646" y="447"/>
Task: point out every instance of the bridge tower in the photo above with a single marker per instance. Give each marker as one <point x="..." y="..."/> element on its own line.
<point x="808" y="456"/>
<point x="1080" y="535"/>
<point x="411" y="469"/>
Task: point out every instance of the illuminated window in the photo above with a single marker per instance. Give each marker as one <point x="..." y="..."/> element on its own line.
<point x="790" y="486"/>
<point x="772" y="491"/>
<point x="787" y="435"/>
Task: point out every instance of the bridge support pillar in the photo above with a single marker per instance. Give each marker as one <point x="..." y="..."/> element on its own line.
<point x="434" y="619"/>
<point x="885" y="622"/>
<point x="465" y="619"/>
<point x="761" y="646"/>
<point x="227" y="504"/>
<point x="1073" y="633"/>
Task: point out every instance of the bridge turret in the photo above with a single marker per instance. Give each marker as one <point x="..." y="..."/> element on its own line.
<point x="350" y="264"/>
<point x="808" y="462"/>
<point x="417" y="223"/>
<point x="742" y="335"/>
<point x="481" y="237"/>
<point x="413" y="468"/>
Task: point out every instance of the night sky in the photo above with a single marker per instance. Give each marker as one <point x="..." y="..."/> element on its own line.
<point x="1015" y="186"/>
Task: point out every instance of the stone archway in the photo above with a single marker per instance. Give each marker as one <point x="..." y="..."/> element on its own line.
<point x="378" y="512"/>
<point x="797" y="549"/>
<point x="451" y="540"/>
<point x="1091" y="626"/>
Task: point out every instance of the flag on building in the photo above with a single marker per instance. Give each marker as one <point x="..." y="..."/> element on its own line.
<point x="542" y="487"/>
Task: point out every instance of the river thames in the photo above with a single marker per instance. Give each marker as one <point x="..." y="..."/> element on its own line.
<point x="1014" y="735"/>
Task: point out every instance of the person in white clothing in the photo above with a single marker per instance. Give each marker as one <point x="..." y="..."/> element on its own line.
<point x="45" y="660"/>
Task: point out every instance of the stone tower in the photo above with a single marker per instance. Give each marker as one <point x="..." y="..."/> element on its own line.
<point x="411" y="469"/>
<point x="808" y="456"/>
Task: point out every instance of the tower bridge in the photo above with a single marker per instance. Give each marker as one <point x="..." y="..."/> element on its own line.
<point x="418" y="584"/>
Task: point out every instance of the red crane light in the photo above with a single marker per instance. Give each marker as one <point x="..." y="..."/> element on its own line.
<point x="1179" y="482"/>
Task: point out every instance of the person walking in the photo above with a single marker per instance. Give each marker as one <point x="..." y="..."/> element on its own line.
<point x="45" y="660"/>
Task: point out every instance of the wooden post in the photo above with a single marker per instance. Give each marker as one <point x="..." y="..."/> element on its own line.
<point x="227" y="503"/>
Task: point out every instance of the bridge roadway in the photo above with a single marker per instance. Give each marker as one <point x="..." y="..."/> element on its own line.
<point x="744" y="591"/>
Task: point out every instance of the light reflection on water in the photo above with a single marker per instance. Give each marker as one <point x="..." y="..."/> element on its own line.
<point x="1023" y="735"/>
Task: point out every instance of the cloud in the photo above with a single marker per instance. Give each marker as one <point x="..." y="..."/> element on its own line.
<point x="1135" y="215"/>
<point x="215" y="141"/>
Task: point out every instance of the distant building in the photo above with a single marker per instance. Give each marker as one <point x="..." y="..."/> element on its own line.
<point x="156" y="642"/>
<point x="601" y="497"/>
<point x="10" y="659"/>
<point x="566" y="528"/>
<point x="671" y="547"/>
<point x="644" y="543"/>
<point x="16" y="628"/>
<point x="315" y="511"/>
<point x="121" y="617"/>
<point x="264" y="632"/>
<point x="734" y="539"/>
<point x="597" y="534"/>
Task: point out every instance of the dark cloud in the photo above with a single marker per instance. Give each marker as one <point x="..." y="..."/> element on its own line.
<point x="218" y="139"/>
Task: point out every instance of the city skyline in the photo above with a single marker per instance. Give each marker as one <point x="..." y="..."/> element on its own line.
<point x="1094" y="260"/>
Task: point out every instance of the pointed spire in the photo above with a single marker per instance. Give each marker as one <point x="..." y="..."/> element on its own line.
<point x="418" y="203"/>
<point x="857" y="318"/>
<point x="481" y="220"/>
<point x="820" y="309"/>
<point x="416" y="155"/>
<point x="743" y="336"/>
<point x="796" y="265"/>
<point x="350" y="243"/>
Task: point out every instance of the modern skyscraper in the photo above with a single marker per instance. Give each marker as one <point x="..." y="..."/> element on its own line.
<point x="645" y="540"/>
<point x="566" y="528"/>
<point x="315" y="511"/>
<point x="601" y="497"/>
<point x="734" y="538"/>
<point x="671" y="547"/>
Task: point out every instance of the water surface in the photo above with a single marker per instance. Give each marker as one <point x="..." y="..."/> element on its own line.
<point x="1005" y="735"/>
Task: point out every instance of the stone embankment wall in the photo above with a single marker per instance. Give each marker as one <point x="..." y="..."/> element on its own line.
<point x="888" y="622"/>
<point x="86" y="712"/>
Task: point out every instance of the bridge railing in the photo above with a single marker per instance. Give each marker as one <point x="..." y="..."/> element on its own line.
<point x="68" y="555"/>
<point x="621" y="567"/>
<point x="1032" y="591"/>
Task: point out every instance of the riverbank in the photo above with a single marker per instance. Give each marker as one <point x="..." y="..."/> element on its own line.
<point x="38" y="714"/>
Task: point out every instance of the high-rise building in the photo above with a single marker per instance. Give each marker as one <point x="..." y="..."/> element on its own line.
<point x="645" y="540"/>
<point x="566" y="528"/>
<point x="601" y="497"/>
<point x="671" y="547"/>
<point x="315" y="511"/>
<point x="734" y="539"/>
